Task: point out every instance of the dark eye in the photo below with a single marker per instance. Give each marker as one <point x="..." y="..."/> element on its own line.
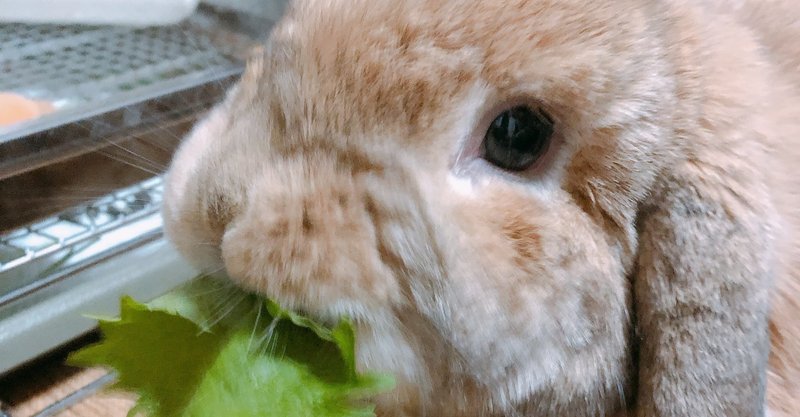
<point x="517" y="138"/>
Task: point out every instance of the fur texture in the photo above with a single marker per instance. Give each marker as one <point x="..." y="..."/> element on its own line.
<point x="634" y="271"/>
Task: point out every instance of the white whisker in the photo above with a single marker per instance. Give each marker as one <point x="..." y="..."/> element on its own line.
<point x="255" y="327"/>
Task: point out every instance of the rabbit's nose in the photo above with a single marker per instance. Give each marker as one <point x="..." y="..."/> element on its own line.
<point x="306" y="238"/>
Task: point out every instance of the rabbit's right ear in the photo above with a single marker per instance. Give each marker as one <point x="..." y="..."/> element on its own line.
<point x="701" y="288"/>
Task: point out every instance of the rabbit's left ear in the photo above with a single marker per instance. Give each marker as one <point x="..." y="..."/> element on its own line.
<point x="701" y="286"/>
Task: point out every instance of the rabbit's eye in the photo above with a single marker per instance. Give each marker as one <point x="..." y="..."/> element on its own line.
<point x="517" y="138"/>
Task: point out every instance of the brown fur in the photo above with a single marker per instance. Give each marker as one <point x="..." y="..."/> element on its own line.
<point x="632" y="272"/>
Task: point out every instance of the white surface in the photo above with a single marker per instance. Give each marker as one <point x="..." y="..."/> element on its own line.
<point x="57" y="314"/>
<point x="263" y="8"/>
<point x="97" y="12"/>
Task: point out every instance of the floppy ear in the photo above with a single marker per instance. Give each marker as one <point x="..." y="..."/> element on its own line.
<point x="701" y="286"/>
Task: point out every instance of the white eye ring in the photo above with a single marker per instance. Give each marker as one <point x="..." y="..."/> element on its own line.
<point x="475" y="158"/>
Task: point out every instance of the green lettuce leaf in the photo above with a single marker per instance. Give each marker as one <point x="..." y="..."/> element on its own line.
<point x="210" y="349"/>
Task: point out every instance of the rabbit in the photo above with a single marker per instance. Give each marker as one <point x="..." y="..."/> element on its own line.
<point x="527" y="207"/>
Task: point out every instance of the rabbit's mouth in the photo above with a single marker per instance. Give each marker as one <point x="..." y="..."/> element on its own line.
<point x="326" y="320"/>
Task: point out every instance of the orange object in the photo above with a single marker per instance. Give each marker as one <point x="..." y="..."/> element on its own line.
<point x="15" y="109"/>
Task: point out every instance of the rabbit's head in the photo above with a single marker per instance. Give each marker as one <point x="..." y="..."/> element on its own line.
<point x="463" y="179"/>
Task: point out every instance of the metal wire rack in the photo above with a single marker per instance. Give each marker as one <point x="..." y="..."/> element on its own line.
<point x="76" y="65"/>
<point x="33" y="256"/>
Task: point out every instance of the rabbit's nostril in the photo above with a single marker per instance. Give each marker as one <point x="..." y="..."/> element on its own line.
<point x="308" y="225"/>
<point x="219" y="211"/>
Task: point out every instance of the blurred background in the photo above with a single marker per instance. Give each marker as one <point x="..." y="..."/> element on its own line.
<point x="94" y="97"/>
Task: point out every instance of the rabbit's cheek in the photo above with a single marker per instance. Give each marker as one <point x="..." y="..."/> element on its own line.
<point x="547" y="289"/>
